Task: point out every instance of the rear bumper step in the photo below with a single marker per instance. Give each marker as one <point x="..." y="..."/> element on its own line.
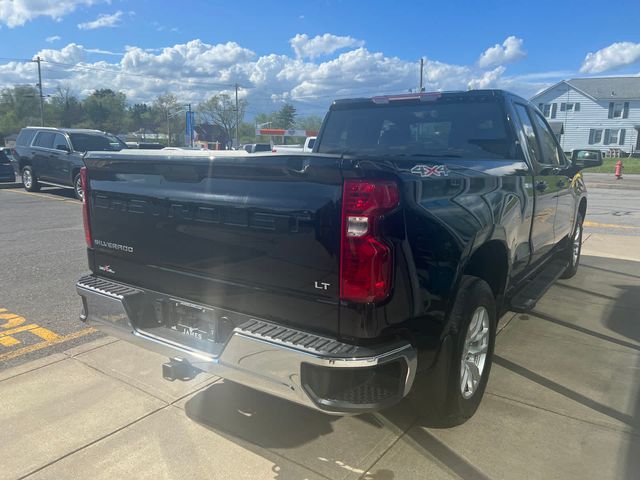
<point x="309" y="369"/>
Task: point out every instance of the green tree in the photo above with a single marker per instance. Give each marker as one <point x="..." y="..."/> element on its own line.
<point x="169" y="116"/>
<point x="64" y="109"/>
<point x="106" y="110"/>
<point x="247" y="132"/>
<point x="310" y="122"/>
<point x="286" y="116"/>
<point x="220" y="110"/>
<point x="140" y="118"/>
<point x="19" y="107"/>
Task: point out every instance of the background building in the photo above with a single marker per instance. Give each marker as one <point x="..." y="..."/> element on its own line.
<point x="594" y="112"/>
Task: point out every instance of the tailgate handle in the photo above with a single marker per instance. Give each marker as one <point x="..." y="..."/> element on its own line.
<point x="304" y="166"/>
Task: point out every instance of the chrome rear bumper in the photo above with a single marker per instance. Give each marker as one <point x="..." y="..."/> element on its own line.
<point x="265" y="356"/>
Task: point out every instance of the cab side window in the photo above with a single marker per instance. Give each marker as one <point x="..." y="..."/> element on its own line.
<point x="44" y="139"/>
<point x="529" y="132"/>
<point x="548" y="147"/>
<point x="60" y="143"/>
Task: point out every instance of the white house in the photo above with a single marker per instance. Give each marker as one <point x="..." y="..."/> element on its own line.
<point x="594" y="112"/>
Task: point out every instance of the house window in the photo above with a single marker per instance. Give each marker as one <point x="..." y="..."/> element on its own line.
<point x="570" y="107"/>
<point x="548" y="109"/>
<point x="618" y="109"/>
<point x="614" y="136"/>
<point x="595" y="136"/>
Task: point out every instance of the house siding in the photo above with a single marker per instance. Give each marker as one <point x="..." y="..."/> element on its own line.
<point x="592" y="114"/>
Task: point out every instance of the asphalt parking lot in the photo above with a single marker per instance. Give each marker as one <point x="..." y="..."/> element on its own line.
<point x="43" y="254"/>
<point x="563" y="399"/>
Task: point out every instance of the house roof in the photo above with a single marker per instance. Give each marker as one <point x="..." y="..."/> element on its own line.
<point x="608" y="88"/>
<point x="604" y="88"/>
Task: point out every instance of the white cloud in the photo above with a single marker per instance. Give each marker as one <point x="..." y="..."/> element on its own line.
<point x="305" y="47"/>
<point x="15" y="13"/>
<point x="490" y="79"/>
<point x="53" y="38"/>
<point x="103" y="52"/>
<point x="195" y="70"/>
<point x="510" y="51"/>
<point x="616" y="55"/>
<point x="191" y="59"/>
<point x="71" y="54"/>
<point x="103" y="21"/>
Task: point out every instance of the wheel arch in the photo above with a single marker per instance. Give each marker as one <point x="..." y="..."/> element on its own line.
<point x="74" y="172"/>
<point x="490" y="262"/>
<point x="24" y="163"/>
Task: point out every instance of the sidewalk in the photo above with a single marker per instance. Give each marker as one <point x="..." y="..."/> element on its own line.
<point x="563" y="402"/>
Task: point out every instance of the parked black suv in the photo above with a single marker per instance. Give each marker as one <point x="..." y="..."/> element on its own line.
<point x="54" y="155"/>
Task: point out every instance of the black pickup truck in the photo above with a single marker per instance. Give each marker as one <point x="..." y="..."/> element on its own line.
<point x="374" y="268"/>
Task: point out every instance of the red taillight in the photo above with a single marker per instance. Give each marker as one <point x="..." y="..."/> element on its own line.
<point x="85" y="206"/>
<point x="366" y="262"/>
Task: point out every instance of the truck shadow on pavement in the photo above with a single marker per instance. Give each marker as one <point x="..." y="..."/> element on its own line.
<point x="332" y="446"/>
<point x="283" y="429"/>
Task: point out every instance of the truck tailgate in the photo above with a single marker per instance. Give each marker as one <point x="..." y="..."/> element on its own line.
<point x="256" y="234"/>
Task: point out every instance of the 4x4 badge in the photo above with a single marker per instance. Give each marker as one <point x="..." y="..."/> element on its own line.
<point x="430" y="171"/>
<point x="105" y="268"/>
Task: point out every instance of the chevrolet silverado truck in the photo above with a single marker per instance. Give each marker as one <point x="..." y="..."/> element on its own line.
<point x="374" y="268"/>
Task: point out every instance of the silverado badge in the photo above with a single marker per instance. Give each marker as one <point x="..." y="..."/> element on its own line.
<point x="430" y="171"/>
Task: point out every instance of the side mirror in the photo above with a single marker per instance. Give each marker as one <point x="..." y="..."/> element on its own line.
<point x="63" y="148"/>
<point x="586" y="158"/>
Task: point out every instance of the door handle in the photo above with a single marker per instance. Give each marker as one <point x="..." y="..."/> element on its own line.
<point x="541" y="186"/>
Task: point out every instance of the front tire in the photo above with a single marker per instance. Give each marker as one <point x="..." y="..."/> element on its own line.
<point x="29" y="180"/>
<point x="574" y="249"/>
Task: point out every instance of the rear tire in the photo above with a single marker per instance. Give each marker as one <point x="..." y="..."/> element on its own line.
<point x="574" y="249"/>
<point x="29" y="179"/>
<point x="464" y="371"/>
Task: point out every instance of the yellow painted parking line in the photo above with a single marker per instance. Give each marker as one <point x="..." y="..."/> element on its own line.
<point x="9" y="341"/>
<point x="12" y="320"/>
<point x="14" y="325"/>
<point x="45" y="344"/>
<point x="15" y="330"/>
<point x="607" y="225"/>
<point x="45" y="334"/>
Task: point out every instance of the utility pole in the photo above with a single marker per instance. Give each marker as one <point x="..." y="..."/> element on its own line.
<point x="237" y="117"/>
<point x="421" y="74"/>
<point x="190" y="123"/>
<point x="168" y="129"/>
<point x="37" y="60"/>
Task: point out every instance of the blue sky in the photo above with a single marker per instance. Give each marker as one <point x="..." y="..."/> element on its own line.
<point x="310" y="52"/>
